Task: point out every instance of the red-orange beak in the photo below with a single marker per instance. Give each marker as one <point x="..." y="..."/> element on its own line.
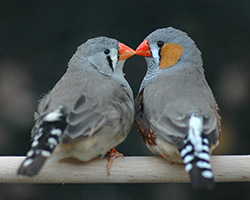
<point x="125" y="51"/>
<point x="143" y="49"/>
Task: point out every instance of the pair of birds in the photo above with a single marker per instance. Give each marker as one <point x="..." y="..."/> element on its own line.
<point x="91" y="108"/>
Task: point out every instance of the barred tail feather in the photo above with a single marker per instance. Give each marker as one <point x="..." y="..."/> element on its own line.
<point x="197" y="164"/>
<point x="196" y="156"/>
<point x="45" y="140"/>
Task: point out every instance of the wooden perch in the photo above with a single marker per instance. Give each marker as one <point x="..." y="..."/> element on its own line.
<point x="124" y="170"/>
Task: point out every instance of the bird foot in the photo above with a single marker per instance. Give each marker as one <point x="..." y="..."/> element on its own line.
<point x="113" y="154"/>
<point x="170" y="162"/>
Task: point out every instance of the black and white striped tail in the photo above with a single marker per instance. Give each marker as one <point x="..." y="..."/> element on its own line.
<point x="46" y="138"/>
<point x="196" y="156"/>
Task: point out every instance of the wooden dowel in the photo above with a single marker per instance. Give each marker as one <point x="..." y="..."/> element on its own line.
<point x="124" y="170"/>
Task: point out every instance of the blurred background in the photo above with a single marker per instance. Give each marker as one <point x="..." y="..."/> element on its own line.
<point x="37" y="39"/>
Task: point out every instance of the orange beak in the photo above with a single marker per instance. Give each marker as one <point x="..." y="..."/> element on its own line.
<point x="143" y="49"/>
<point x="125" y="51"/>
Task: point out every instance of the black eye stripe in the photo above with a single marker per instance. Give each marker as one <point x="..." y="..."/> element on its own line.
<point x="110" y="63"/>
<point x="160" y="45"/>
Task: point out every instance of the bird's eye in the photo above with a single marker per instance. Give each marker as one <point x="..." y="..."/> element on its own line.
<point x="160" y="44"/>
<point x="106" y="51"/>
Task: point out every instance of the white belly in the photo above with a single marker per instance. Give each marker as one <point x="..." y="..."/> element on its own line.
<point x="166" y="150"/>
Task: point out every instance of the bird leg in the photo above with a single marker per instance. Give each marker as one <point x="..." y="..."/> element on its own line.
<point x="113" y="154"/>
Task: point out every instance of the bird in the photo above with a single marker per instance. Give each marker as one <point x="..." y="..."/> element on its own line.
<point x="89" y="111"/>
<point x="175" y="110"/>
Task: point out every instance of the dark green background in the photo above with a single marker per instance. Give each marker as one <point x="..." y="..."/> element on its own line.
<point x="37" y="39"/>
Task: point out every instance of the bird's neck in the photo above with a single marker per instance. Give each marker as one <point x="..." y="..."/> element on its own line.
<point x="153" y="70"/>
<point x="150" y="75"/>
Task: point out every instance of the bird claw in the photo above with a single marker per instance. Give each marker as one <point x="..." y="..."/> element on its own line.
<point x="113" y="154"/>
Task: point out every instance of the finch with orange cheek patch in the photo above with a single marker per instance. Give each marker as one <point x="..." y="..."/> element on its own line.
<point x="176" y="112"/>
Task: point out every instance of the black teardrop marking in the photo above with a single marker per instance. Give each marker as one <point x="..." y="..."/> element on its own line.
<point x="110" y="63"/>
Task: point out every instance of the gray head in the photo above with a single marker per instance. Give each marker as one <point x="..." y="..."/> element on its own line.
<point x="168" y="46"/>
<point x="103" y="54"/>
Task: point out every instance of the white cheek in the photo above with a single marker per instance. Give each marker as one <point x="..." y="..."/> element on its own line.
<point x="155" y="54"/>
<point x="114" y="57"/>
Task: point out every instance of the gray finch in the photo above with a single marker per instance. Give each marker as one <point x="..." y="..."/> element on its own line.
<point x="89" y="111"/>
<point x="176" y="112"/>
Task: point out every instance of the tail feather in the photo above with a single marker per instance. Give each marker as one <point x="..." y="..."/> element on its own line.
<point x="197" y="164"/>
<point x="31" y="166"/>
<point x="45" y="140"/>
<point x="196" y="156"/>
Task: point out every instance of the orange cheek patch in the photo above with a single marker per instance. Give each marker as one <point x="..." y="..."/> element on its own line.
<point x="170" y="54"/>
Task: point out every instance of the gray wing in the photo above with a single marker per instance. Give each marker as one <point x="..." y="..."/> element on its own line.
<point x="169" y="107"/>
<point x="87" y="114"/>
<point x="83" y="120"/>
<point x="77" y="97"/>
<point x="87" y="118"/>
